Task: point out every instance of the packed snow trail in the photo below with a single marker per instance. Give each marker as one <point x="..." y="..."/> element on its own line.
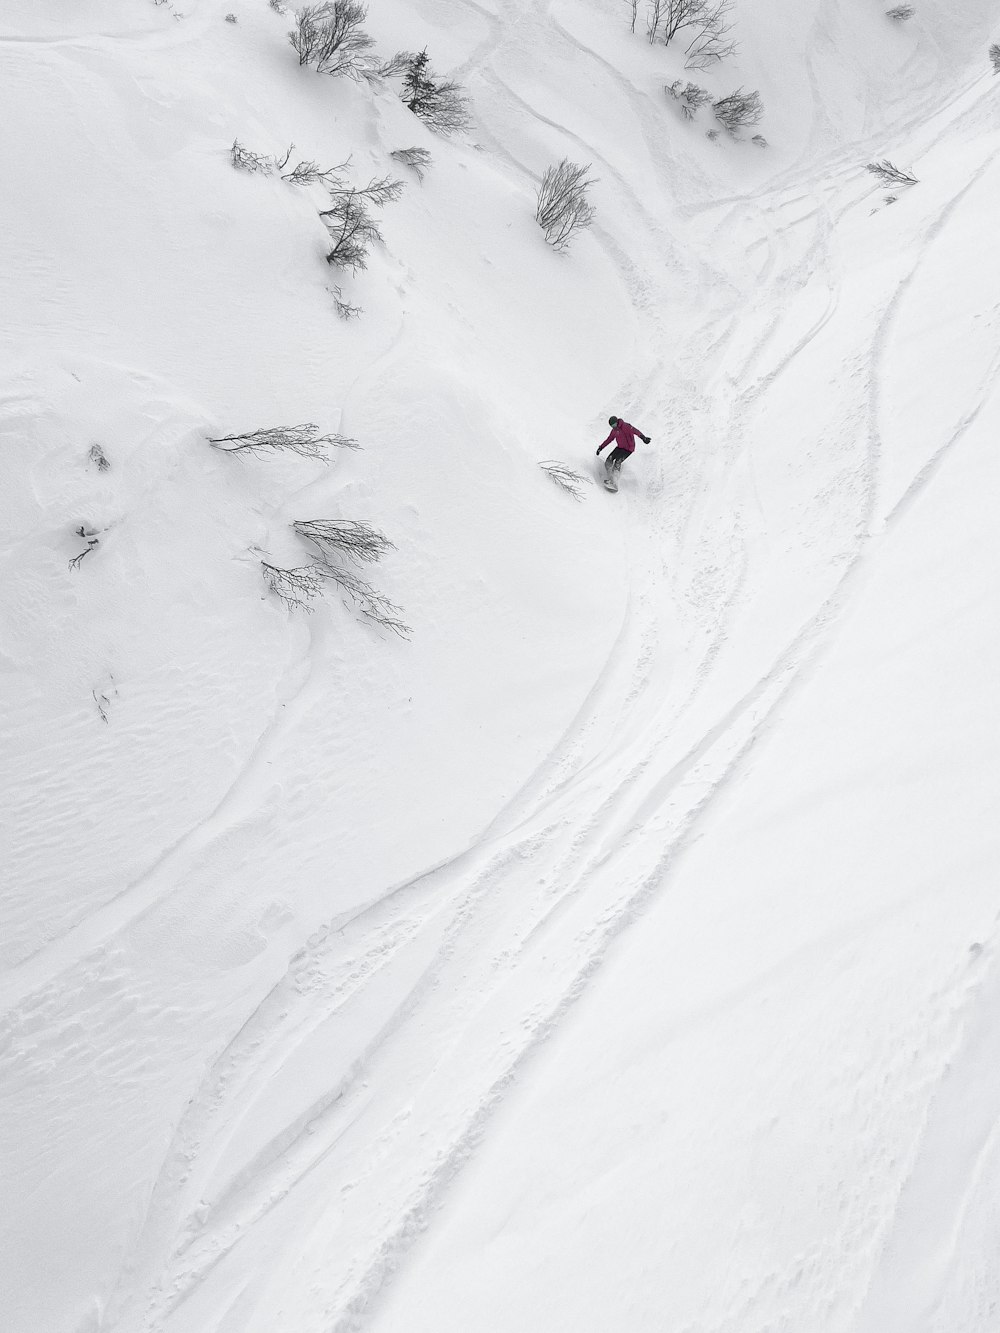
<point x="269" y="1052"/>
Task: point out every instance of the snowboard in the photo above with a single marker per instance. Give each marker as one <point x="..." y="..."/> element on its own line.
<point x="610" y="479"/>
<point x="611" y="485"/>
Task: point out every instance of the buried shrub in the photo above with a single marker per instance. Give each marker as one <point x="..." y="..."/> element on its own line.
<point x="889" y="174"/>
<point x="900" y="13"/>
<point x="738" y="110"/>
<point x="562" y="208"/>
<point x="417" y="159"/>
<point x="689" y="96"/>
<point x="440" y="103"/>
<point x="304" y="440"/>
<point x="995" y="57"/>
<point x="330" y="38"/>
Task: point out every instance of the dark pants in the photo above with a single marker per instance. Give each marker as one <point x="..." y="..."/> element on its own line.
<point x="616" y="458"/>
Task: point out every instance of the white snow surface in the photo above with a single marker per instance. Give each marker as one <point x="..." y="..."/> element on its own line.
<point x="618" y="952"/>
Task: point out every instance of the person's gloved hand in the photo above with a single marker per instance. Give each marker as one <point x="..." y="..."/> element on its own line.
<point x="646" y="439"/>
<point x="598" y="453"/>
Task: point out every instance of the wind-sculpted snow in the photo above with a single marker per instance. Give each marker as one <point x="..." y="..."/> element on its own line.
<point x="618" y="952"/>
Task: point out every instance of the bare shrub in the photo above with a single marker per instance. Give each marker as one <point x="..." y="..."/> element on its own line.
<point x="308" y="172"/>
<point x="231" y="18"/>
<point x="344" y="308"/>
<point x="245" y="159"/>
<point x="369" y="601"/>
<point x="564" y="477"/>
<point x="277" y="6"/>
<point x="634" y="7"/>
<point x="562" y="208"/>
<point x="995" y="57"/>
<point x="304" y="440"/>
<point x="297" y="588"/>
<point x="440" y="103"/>
<point x="338" y="537"/>
<point x="417" y="159"/>
<point x="330" y="37"/>
<point x="689" y="95"/>
<point x="759" y="140"/>
<point x="900" y="13"/>
<point x="98" y="457"/>
<point x="738" y="109"/>
<point x="349" y="221"/>
<point x="889" y="174"/>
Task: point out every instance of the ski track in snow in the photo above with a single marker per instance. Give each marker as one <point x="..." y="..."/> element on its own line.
<point x="454" y="978"/>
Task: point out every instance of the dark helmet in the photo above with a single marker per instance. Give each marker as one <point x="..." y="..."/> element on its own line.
<point x="612" y="421"/>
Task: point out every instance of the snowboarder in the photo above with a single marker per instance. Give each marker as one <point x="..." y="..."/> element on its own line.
<point x="624" y="437"/>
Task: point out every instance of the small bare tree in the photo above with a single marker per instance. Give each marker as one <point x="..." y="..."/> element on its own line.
<point x="417" y="159"/>
<point x="562" y="208"/>
<point x="711" y="41"/>
<point x="330" y="37"/>
<point x="353" y="230"/>
<point x="889" y="174"/>
<point x="634" y="8"/>
<point x="995" y="57"/>
<point x="564" y="477"/>
<point x="440" y="103"/>
<point x="738" y="109"/>
<point x="654" y="17"/>
<point x="304" y="440"/>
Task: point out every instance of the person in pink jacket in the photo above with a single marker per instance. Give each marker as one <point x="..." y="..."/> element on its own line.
<point x="623" y="435"/>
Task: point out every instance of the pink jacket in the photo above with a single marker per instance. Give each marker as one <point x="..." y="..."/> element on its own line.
<point x="624" y="437"/>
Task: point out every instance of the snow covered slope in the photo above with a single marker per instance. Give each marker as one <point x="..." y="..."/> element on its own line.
<point x="619" y="950"/>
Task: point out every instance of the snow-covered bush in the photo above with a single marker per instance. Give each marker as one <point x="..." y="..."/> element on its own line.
<point x="330" y="37"/>
<point x="900" y="13"/>
<point x="417" y="159"/>
<point x="304" y="440"/>
<point x="98" y="457"/>
<point x="995" y="57"/>
<point x="562" y="208"/>
<point x="889" y="174"/>
<point x="440" y="103"/>
<point x="738" y="109"/>
<point x="353" y="230"/>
